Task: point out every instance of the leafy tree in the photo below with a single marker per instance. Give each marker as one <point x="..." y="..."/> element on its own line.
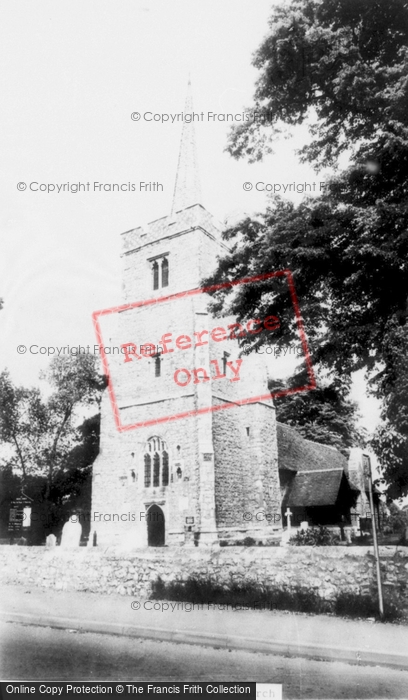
<point x="391" y="438"/>
<point x="76" y="383"/>
<point x="325" y="415"/>
<point x="70" y="489"/>
<point x="49" y="451"/>
<point x="342" y="66"/>
<point x="22" y="415"/>
<point x="397" y="519"/>
<point x="72" y="485"/>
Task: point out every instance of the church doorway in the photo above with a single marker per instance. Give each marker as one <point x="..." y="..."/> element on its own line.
<point x="155" y="526"/>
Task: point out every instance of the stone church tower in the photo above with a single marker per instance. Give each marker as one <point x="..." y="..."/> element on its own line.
<point x="194" y="479"/>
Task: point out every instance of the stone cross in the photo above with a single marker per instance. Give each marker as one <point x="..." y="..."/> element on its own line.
<point x="289" y="514"/>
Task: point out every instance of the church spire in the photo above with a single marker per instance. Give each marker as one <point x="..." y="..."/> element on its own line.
<point x="187" y="190"/>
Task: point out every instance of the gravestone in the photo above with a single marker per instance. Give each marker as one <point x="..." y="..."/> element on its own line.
<point x="347" y="534"/>
<point x="51" y="541"/>
<point x="71" y="533"/>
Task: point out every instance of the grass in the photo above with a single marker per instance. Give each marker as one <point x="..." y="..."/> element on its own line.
<point x="255" y="596"/>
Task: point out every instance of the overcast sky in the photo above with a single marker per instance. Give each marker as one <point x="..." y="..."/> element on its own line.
<point x="73" y="73"/>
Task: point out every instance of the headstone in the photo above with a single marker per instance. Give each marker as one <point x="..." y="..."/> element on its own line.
<point x="347" y="533"/>
<point x="71" y="533"/>
<point x="304" y="525"/>
<point x="51" y="541"/>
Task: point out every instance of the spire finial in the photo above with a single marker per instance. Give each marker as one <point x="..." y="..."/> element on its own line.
<point x="187" y="190"/>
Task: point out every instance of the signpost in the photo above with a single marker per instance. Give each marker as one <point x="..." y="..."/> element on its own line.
<point x="368" y="475"/>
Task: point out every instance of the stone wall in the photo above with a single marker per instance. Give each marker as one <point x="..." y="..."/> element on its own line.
<point x="327" y="570"/>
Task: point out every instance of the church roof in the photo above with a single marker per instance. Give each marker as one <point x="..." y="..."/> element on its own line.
<point x="316" y="488"/>
<point x="299" y="455"/>
<point x="318" y="470"/>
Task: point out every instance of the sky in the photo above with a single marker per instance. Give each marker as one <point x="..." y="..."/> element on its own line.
<point x="73" y="74"/>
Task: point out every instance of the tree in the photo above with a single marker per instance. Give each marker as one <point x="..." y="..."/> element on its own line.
<point x="47" y="446"/>
<point x="73" y="481"/>
<point x="325" y="415"/>
<point x="22" y="415"/>
<point x="339" y="64"/>
<point x="76" y="383"/>
<point x="342" y="65"/>
<point x="391" y="438"/>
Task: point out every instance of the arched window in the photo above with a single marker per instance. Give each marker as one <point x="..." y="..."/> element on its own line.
<point x="156" y="461"/>
<point x="160" y="271"/>
<point x="157" y="368"/>
<point x="155" y="275"/>
<point x="165" y="272"/>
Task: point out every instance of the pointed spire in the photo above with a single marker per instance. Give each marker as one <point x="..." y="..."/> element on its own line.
<point x="187" y="190"/>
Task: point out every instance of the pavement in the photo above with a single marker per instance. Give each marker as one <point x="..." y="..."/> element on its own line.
<point x="272" y="632"/>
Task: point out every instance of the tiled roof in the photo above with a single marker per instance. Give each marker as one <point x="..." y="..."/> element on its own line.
<point x="318" y="469"/>
<point x="316" y="488"/>
<point x="297" y="454"/>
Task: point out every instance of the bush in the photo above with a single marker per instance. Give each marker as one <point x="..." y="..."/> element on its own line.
<point x="352" y="605"/>
<point x="249" y="595"/>
<point x="315" y="537"/>
<point x="249" y="542"/>
<point x="254" y="596"/>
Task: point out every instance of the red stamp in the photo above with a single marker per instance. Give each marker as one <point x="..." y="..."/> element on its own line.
<point x="171" y="359"/>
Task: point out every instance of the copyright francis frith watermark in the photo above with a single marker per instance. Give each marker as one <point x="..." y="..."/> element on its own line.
<point x="159" y="344"/>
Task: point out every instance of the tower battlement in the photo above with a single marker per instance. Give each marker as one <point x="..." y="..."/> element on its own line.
<point x="194" y="216"/>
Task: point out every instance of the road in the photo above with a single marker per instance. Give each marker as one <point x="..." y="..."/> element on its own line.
<point x="42" y="653"/>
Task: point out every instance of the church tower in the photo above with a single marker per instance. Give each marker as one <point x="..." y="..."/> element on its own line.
<point x="186" y="475"/>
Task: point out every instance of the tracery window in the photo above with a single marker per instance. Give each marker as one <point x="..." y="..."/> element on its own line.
<point x="156" y="463"/>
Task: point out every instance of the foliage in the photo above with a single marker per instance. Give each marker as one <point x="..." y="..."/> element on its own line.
<point x="397" y="520"/>
<point x="325" y="415"/>
<point x="70" y="489"/>
<point x="253" y="596"/>
<point x="248" y="542"/>
<point x="315" y="536"/>
<point x="391" y="438"/>
<point x="50" y="454"/>
<point x="344" y="65"/>
<point x="42" y="432"/>
<point x="352" y="605"/>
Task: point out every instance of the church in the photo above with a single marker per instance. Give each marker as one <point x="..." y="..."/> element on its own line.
<point x="203" y="477"/>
